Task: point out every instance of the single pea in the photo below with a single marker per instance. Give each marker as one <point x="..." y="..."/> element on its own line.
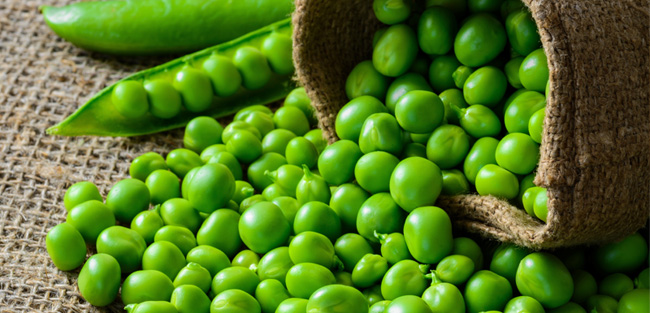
<point x="344" y="278"/>
<point x="147" y="223"/>
<point x="164" y="257"/>
<point x="180" y="212"/>
<point x="144" y="165"/>
<point x="436" y="30"/>
<point x="452" y="99"/>
<point x="182" y="237"/>
<point x="512" y="72"/>
<point x="181" y="161"/>
<point x="533" y="72"/>
<point x="292" y="119"/>
<point x="99" y="279"/>
<point x="286" y="177"/>
<point x="373" y="171"/>
<point x="522" y="32"/>
<point x="318" y="217"/>
<point x="584" y="286"/>
<point x="146" y="285"/>
<point x="486" y="86"/>
<point x="124" y="244"/>
<point x="193" y="274"/>
<point x="404" y="278"/>
<point x="127" y="198"/>
<point x="267" y="162"/>
<point x="202" y="132"/>
<point x="351" y="117"/>
<point x="211" y="258"/>
<point x="643" y="279"/>
<point x="536" y="125"/>
<point x="277" y="140"/>
<point x="393" y="247"/>
<point x="277" y="50"/>
<point x="305" y="278"/>
<point x="402" y="85"/>
<point x="130" y="99"/>
<point x="369" y="270"/>
<point x="195" y="89"/>
<point x="637" y="300"/>
<point x="440" y="72"/>
<point x="260" y="120"/>
<point x="275" y="264"/>
<point x="246" y="258"/>
<point x="312" y="187"/>
<point x="444" y="297"/>
<point x="414" y="150"/>
<point x="519" y="111"/>
<point x="337" y="298"/>
<point x="230" y="161"/>
<point x="408" y="303"/>
<point x="601" y="303"/>
<point x="90" y="219"/>
<point x="220" y="230"/>
<point x="509" y="100"/>
<point x="525" y="304"/>
<point x="381" y="132"/>
<point x="391" y="12"/>
<point x="622" y="256"/>
<point x="379" y="307"/>
<point x="469" y="248"/>
<point x="163" y="185"/>
<point x="292" y="305"/>
<point x="235" y="277"/>
<point x="253" y="66"/>
<point x="415" y="182"/>
<point x="505" y="260"/>
<point x="460" y="75"/>
<point x="250" y="201"/>
<point x="263" y="227"/>
<point x="190" y="299"/>
<point x="454" y="183"/>
<point x="350" y="248"/>
<point x="298" y="98"/>
<point x="544" y="277"/>
<point x="540" y="206"/>
<point x="336" y="163"/>
<point x="224" y="76"/>
<point x="395" y="50"/>
<point x="479" y="121"/>
<point x="79" y="193"/>
<point x="517" y="153"/>
<point x="524" y="183"/>
<point x="381" y="214"/>
<point x="234" y="301"/>
<point x="244" y="146"/>
<point x="312" y="247"/>
<point x="372" y="294"/>
<point x="66" y="247"/>
<point x="427" y="232"/>
<point x="448" y="146"/>
<point x="496" y="181"/>
<point x="270" y="293"/>
<point x="346" y="202"/>
<point x="365" y="80"/>
<point x="485" y="291"/>
<point x="528" y="199"/>
<point x="479" y="40"/>
<point x="301" y="151"/>
<point x="211" y="187"/>
<point x="419" y="111"/>
<point x="243" y="113"/>
<point x="615" y="285"/>
<point x="237" y="126"/>
<point x="455" y="269"/>
<point x="273" y="191"/>
<point x="316" y="137"/>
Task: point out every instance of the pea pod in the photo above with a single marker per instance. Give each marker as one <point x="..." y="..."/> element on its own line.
<point x="206" y="68"/>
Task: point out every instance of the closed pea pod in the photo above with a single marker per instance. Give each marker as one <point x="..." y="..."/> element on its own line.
<point x="99" y="279"/>
<point x="66" y="247"/>
<point x="253" y="66"/>
<point x="79" y="193"/>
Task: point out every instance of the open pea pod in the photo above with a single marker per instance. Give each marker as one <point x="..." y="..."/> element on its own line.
<point x="202" y="83"/>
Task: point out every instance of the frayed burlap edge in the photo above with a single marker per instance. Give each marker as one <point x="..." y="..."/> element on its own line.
<point x="596" y="148"/>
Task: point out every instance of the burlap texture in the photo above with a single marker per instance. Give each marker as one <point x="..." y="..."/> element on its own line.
<point x="42" y="80"/>
<point x="595" y="155"/>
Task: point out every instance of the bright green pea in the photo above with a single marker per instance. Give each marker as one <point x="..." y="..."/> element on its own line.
<point x="292" y="119"/>
<point x="637" y="300"/>
<point x="352" y="115"/>
<point x="90" y="219"/>
<point x="99" y="279"/>
<point x="293" y="305"/>
<point x="436" y="30"/>
<point x="237" y="126"/>
<point x="615" y="285"/>
<point x="146" y="285"/>
<point x="512" y="72"/>
<point x="211" y="258"/>
<point x="623" y="256"/>
<point x="517" y="153"/>
<point x="372" y="294"/>
<point x="427" y="232"/>
<point x="305" y="278"/>
<point x="163" y="185"/>
<point x="344" y="278"/>
<point x="364" y="80"/>
<point x="260" y="120"/>
<point x="485" y="291"/>
<point x="244" y="146"/>
<point x="540" y="205"/>
<point x="414" y="150"/>
<point x="182" y="237"/>
<point x="147" y="223"/>
<point x="455" y="269"/>
<point x="287" y="177"/>
<point x="202" y="132"/>
<point x="536" y="125"/>
<point x="165" y="257"/>
<point x="523" y="304"/>
<point x="224" y="76"/>
<point x="505" y="260"/>
<point x="253" y="66"/>
<point x="469" y="248"/>
<point x="235" y="277"/>
<point x="243" y="113"/>
<point x="381" y="214"/>
<point x="381" y="132"/>
<point x="350" y="248"/>
<point x="298" y="98"/>
<point x="393" y="247"/>
<point x="408" y="303"/>
<point x="318" y="217"/>
<point x="79" y="193"/>
<point x="211" y="187"/>
<point x="522" y="32"/>
<point x="402" y="85"/>
<point x="337" y="298"/>
<point x="440" y="72"/>
<point x="190" y="299"/>
<point x="479" y="40"/>
<point x="524" y="183"/>
<point x="66" y="247"/>
<point x="454" y="183"/>
<point x="275" y="264"/>
<point x="444" y="297"/>
<point x="391" y="12"/>
<point x="373" y="171"/>
<point x="220" y="230"/>
<point x="312" y="187"/>
<point x="369" y="270"/>
<point x="336" y="163"/>
<point x="379" y="307"/>
<point x="419" y="111"/>
<point x="180" y="212"/>
<point x="277" y="49"/>
<point x="533" y="72"/>
<point x="496" y="181"/>
<point x="519" y="111"/>
<point x="267" y="162"/>
<point x="248" y="202"/>
<point x="452" y="99"/>
<point x="195" y="89"/>
<point x="124" y="244"/>
<point x="127" y="198"/>
<point x="486" y="86"/>
<point x="270" y="293"/>
<point x="246" y="258"/>
<point x="193" y="274"/>
<point x="234" y="301"/>
<point x="273" y="191"/>
<point x="210" y="151"/>
<point x="230" y="161"/>
<point x="316" y="137"/>
<point x="479" y="121"/>
<point x="346" y="202"/>
<point x="181" y="161"/>
<point x="415" y="182"/>
<point x="263" y="227"/>
<point x="528" y="199"/>
<point x="403" y="278"/>
<point x="312" y="247"/>
<point x="130" y="99"/>
<point x="277" y="140"/>
<point x="460" y="75"/>
<point x="301" y="151"/>
<point x="447" y="146"/>
<point x="395" y="50"/>
<point x="544" y="277"/>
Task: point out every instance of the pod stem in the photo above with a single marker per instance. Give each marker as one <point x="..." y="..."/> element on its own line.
<point x="433" y="275"/>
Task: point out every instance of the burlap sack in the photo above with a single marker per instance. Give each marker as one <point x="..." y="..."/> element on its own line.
<point x="596" y="148"/>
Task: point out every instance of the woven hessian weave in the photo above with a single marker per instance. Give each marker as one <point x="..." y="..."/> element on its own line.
<point x="595" y="153"/>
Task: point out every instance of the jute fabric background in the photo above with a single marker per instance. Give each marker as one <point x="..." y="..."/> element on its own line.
<point x="42" y="80"/>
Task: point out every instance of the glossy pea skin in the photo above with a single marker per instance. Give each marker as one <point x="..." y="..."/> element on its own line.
<point x="536" y="125"/>
<point x="275" y="264"/>
<point x="202" y="132"/>
<point x="522" y="32"/>
<point x="350" y="248"/>
<point x="440" y="72"/>
<point x="415" y="182"/>
<point x="293" y="305"/>
<point x="452" y="99"/>
<point x="336" y="163"/>
<point x="518" y="153"/>
<point x="147" y="223"/>
<point x="485" y="291"/>
<point x="402" y="85"/>
<point x="316" y="137"/>
<point x="346" y="202"/>
<point x="469" y="248"/>
<point x="210" y="151"/>
<point x="287" y="177"/>
<point x="496" y="181"/>
<point x="419" y="111"/>
<point x="414" y="150"/>
<point x="124" y="244"/>
<point x="403" y="278"/>
<point x="540" y="206"/>
<point x="518" y="112"/>
<point x="461" y="74"/>
<point x="247" y="259"/>
<point x="369" y="270"/>
<point x="130" y="99"/>
<point x="224" y="76"/>
<point x="512" y="71"/>
<point x="381" y="214"/>
<point x="318" y="217"/>
<point x="393" y="247"/>
<point x="373" y="294"/>
<point x="454" y="183"/>
<point x="211" y="187"/>
<point x="195" y="89"/>
<point x="365" y="80"/>
<point x="505" y="260"/>
<point x="273" y="191"/>
<point x="301" y="151"/>
<point x="245" y="146"/>
<point x="248" y="202"/>
<point x="277" y="140"/>
<point x="312" y="247"/>
<point x="312" y="187"/>
<point x="298" y="98"/>
<point x="528" y="199"/>
<point x="523" y="304"/>
<point x="637" y="300"/>
<point x="79" y="193"/>
<point x="486" y="86"/>
<point x="220" y="230"/>
<point x="292" y="119"/>
<point x="146" y="285"/>
<point x="163" y="185"/>
<point x="190" y="299"/>
<point x="427" y="232"/>
<point x="237" y="126"/>
<point x="353" y="114"/>
<point x="615" y="285"/>
<point x="533" y="72"/>
<point x="277" y="50"/>
<point x="234" y="301"/>
<point x="253" y="67"/>
<point x="211" y="258"/>
<point x="260" y="120"/>
<point x="99" y="279"/>
<point x="408" y="303"/>
<point x="243" y="113"/>
<point x="235" y="277"/>
<point x="90" y="219"/>
<point x="391" y="12"/>
<point x="379" y="307"/>
<point x="448" y="146"/>
<point x="381" y="132"/>
<point x="193" y="274"/>
<point x="525" y="183"/>
<point x="66" y="247"/>
<point x="337" y="299"/>
<point x="623" y="256"/>
<point x="373" y="171"/>
<point x="395" y="50"/>
<point x="444" y="297"/>
<point x="479" y="40"/>
<point x="165" y="257"/>
<point x="127" y="198"/>
<point x="270" y="293"/>
<point x="455" y="269"/>
<point x="267" y="162"/>
<point x="305" y="278"/>
<point x="436" y="30"/>
<point x="181" y="161"/>
<point x="263" y="227"/>
<point x="182" y="237"/>
<point x="544" y="277"/>
<point x="230" y="161"/>
<point x="479" y="121"/>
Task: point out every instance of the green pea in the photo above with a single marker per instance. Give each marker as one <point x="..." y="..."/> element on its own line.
<point x="130" y="99"/>
<point x="147" y="223"/>
<point x="369" y="270"/>
<point x="393" y="247"/>
<point x="337" y="298"/>
<point x="486" y="291"/>
<point x="622" y="256"/>
<point x="193" y="274"/>
<point x="584" y="286"/>
<point x="312" y="247"/>
<point x="525" y="183"/>
<point x="615" y="285"/>
<point x="277" y="49"/>
<point x="273" y="191"/>
<point x="180" y="212"/>
<point x="395" y="50"/>
<point x="164" y="257"/>
<point x="301" y="151"/>
<point x="643" y="279"/>
<point x="440" y="72"/>
<point x="455" y="269"/>
<point x="421" y="65"/>
<point x="243" y="113"/>
<point x="267" y="162"/>
<point x="479" y="40"/>
<point x="544" y="277"/>
<point x="372" y="294"/>
<point x="436" y="30"/>
<point x="391" y="12"/>
<point x="235" y="277"/>
<point x="636" y="300"/>
<point x="346" y="201"/>
<point x="163" y="185"/>
<point x="253" y="67"/>
<point x="182" y="237"/>
<point x="448" y="146"/>
<point x="427" y="232"/>
<point x="522" y="32"/>
<point x="230" y="161"/>
<point x="220" y="230"/>
<point x="181" y="161"/>
<point x="469" y="248"/>
<point x="250" y="201"/>
<point x="165" y="101"/>
<point x="569" y="307"/>
<point x="484" y="5"/>
<point x="124" y="244"/>
<point x="373" y="171"/>
<point x="286" y="177"/>
<point x="316" y="137"/>
<point x="305" y="278"/>
<point x="408" y="303"/>
<point x="525" y="304"/>
<point x="277" y="141"/>
<point x="190" y="299"/>
<point x="452" y="99"/>
<point x="260" y="120"/>
<point x="403" y="278"/>
<point x="293" y="305"/>
<point x="365" y="80"/>
<point x="292" y="119"/>
<point x="224" y="76"/>
<point x="146" y="285"/>
<point x="317" y="217"/>
<point x="381" y="214"/>
<point x="505" y="260"/>
<point x="66" y="247"/>
<point x="444" y="297"/>
<point x="454" y="183"/>
<point x="352" y="115"/>
<point x="234" y="301"/>
<point x="601" y="303"/>
<point x="99" y="279"/>
<point x="90" y="219"/>
<point x="402" y="85"/>
<point x="419" y="111"/>
<point x="275" y="264"/>
<point x="211" y="258"/>
<point x="289" y="207"/>
<point x="127" y="198"/>
<point x="486" y="86"/>
<point x="512" y="72"/>
<point x="379" y="307"/>
<point x="202" y="132"/>
<point x="519" y="111"/>
<point x="246" y="258"/>
<point x="517" y="153"/>
<point x="381" y="132"/>
<point x="211" y="187"/>
<point x="540" y="206"/>
<point x="414" y="150"/>
<point x="79" y="193"/>
<point x="210" y="151"/>
<point x="237" y="126"/>
<point x="528" y="199"/>
<point x="461" y="74"/>
<point x="263" y="227"/>
<point x="312" y="187"/>
<point x="244" y="146"/>
<point x="195" y="89"/>
<point x="350" y="248"/>
<point x="298" y="98"/>
<point x="336" y="163"/>
<point x="415" y="182"/>
<point x="344" y="278"/>
<point x="496" y="181"/>
<point x="270" y="293"/>
<point x="536" y="125"/>
<point x="533" y="72"/>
